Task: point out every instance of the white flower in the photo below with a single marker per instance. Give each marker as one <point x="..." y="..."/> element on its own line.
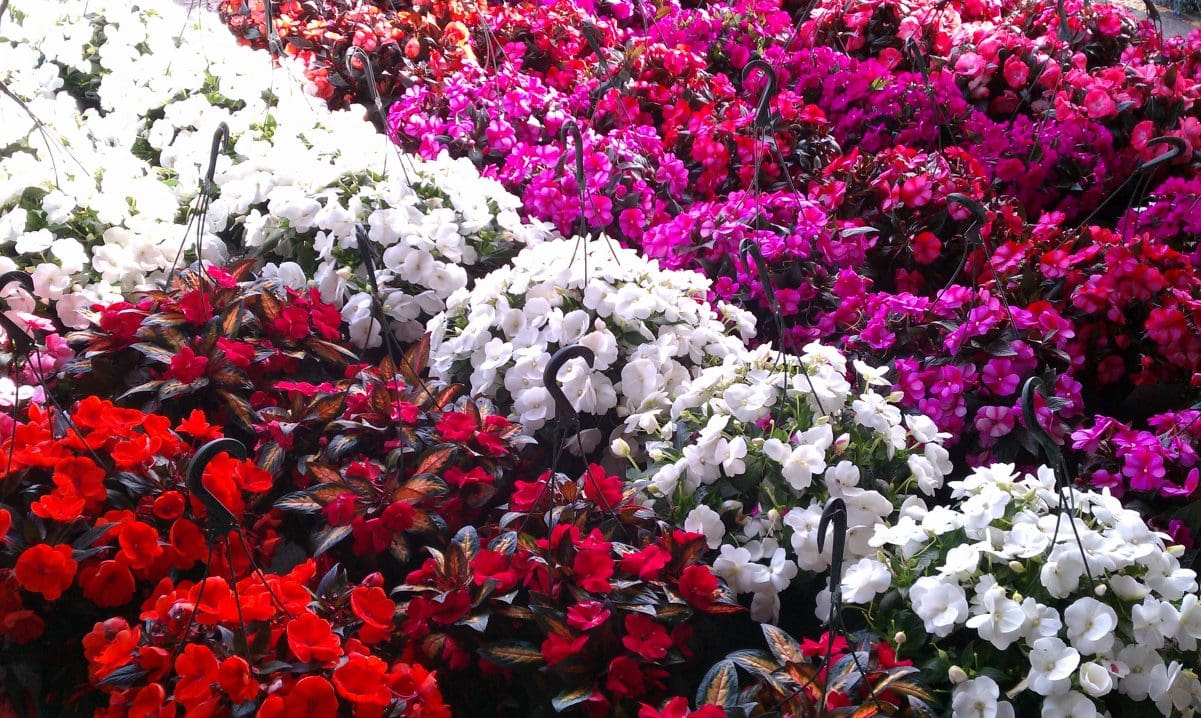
<point x="734" y="565"/>
<point x="874" y="412"/>
<point x="1052" y="663"/>
<point x="939" y="604"/>
<point x="704" y="520"/>
<point x="977" y="698"/>
<point x="1000" y="619"/>
<point x="864" y="580"/>
<point x="1069" y="705"/>
<point x="1095" y="679"/>
<point x="872" y="376"/>
<point x="1142" y="663"/>
<point x="1090" y="625"/>
<point x="778" y="574"/>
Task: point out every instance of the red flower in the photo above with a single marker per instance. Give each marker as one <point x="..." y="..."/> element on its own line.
<point x="377" y="612"/>
<point x="311" y="697"/>
<point x="361" y="681"/>
<point x="810" y="647"/>
<point x="326" y="319"/>
<point x="139" y="544"/>
<point x="236" y="680"/>
<point x="151" y="702"/>
<point x="195" y="307"/>
<point x="557" y="648"/>
<point x="186" y="366"/>
<point x="604" y="491"/>
<point x="292" y="323"/>
<point x="22" y="626"/>
<point x="169" y="505"/>
<point x="456" y="426"/>
<point x="458" y="478"/>
<point x="340" y="511"/>
<point x="196" y="425"/>
<point x="80" y="476"/>
<point x="107" y="583"/>
<point x="646" y="564"/>
<point x="678" y="708"/>
<point x="240" y="354"/>
<point x="699" y="587"/>
<point x="44" y="569"/>
<point x="398" y="517"/>
<point x="312" y="639"/>
<point x="451" y="607"/>
<point x="198" y="670"/>
<point x="413" y="682"/>
<point x="587" y="615"/>
<point x="6" y="523"/>
<point x="645" y="637"/>
<point x="592" y="570"/>
<point x="624" y="679"/>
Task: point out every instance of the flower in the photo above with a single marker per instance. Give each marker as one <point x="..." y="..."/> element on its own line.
<point x="645" y="637"/>
<point x="1052" y="662"/>
<point x="48" y="570"/>
<point x="312" y="639"/>
<point x="361" y="681"/>
<point x="977" y="698"/>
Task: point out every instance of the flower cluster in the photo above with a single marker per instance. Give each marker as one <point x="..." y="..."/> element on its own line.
<point x="753" y="449"/>
<point x="102" y="174"/>
<point x="650" y="330"/>
<point x="1064" y="592"/>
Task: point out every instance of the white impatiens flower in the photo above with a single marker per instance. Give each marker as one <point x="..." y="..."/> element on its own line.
<point x="864" y="580"/>
<point x="1069" y="705"/>
<point x="1090" y="625"/>
<point x="978" y="698"/>
<point x="704" y="520"/>
<point x="1095" y="679"/>
<point x="736" y="567"/>
<point x="939" y="604"/>
<point x="1052" y="663"/>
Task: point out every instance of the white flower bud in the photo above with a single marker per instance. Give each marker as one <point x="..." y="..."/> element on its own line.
<point x="1017" y="567"/>
<point x="956" y="675"/>
<point x="620" y="448"/>
<point x="900" y="638"/>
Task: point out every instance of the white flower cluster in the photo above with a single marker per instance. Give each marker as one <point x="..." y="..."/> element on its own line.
<point x="1085" y="603"/>
<point x="757" y="447"/>
<point x="96" y="201"/>
<point x="650" y="329"/>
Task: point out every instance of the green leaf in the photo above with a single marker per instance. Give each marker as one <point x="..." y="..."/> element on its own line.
<point x="783" y="646"/>
<point x="327" y="537"/>
<point x="512" y="654"/>
<point x="570" y="697"/>
<point x="298" y="501"/>
<point x="719" y="686"/>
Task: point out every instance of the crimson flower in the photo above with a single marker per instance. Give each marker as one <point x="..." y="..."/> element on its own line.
<point x="186" y="366"/>
<point x="645" y="637"/>
<point x="558" y="648"/>
<point x="44" y="569"/>
<point x="361" y="680"/>
<point x="587" y="615"/>
<point x="312" y="639"/>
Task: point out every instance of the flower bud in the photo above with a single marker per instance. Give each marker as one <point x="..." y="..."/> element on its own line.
<point x="1100" y="589"/>
<point x="895" y="397"/>
<point x="657" y="455"/>
<point x="899" y="638"/>
<point x="1017" y="567"/>
<point x="620" y="448"/>
<point x="956" y="675"/>
<point x="1176" y="550"/>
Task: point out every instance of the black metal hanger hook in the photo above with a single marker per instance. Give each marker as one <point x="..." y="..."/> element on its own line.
<point x="220" y="520"/>
<point x="564" y="411"/>
<point x="834" y="516"/>
<point x="763" y="104"/>
<point x="220" y="144"/>
<point x="1177" y="146"/>
<point x="368" y="76"/>
<point x="570" y="128"/>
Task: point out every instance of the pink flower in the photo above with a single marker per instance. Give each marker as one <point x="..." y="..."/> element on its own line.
<point x="1016" y="72"/>
<point x="1099" y="104"/>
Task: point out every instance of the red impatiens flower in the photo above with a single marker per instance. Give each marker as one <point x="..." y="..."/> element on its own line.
<point x="587" y="615"/>
<point x="311" y="697"/>
<point x="361" y="680"/>
<point x="603" y="490"/>
<point x="240" y="354"/>
<point x="557" y="648"/>
<point x="197" y="426"/>
<point x="678" y="708"/>
<point x="593" y="570"/>
<point x="625" y="679"/>
<point x="312" y="639"/>
<point x="139" y="544"/>
<point x="107" y="583"/>
<point x="377" y="612"/>
<point x="646" y="564"/>
<point x="645" y="637"/>
<point x="151" y="702"/>
<point x="292" y="323"/>
<point x="456" y="426"/>
<point x="416" y="684"/>
<point x="198" y="670"/>
<point x="699" y="587"/>
<point x="236" y="680"/>
<point x="186" y="366"/>
<point x="44" y="569"/>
